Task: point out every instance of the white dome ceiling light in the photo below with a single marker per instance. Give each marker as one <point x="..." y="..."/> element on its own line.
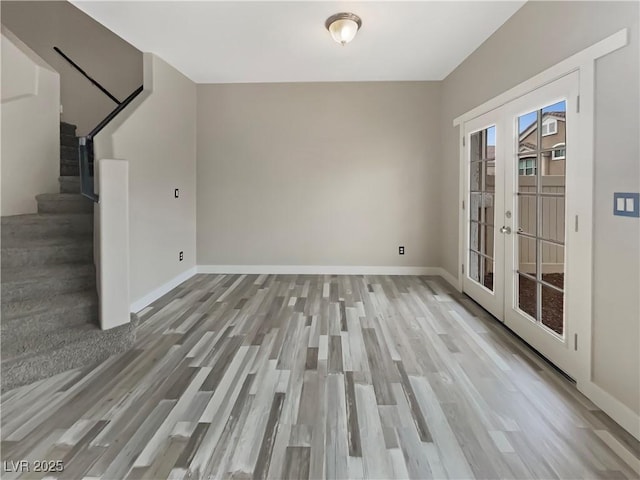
<point x="343" y="27"/>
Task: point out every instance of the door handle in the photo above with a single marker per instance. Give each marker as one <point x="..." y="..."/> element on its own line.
<point x="506" y="230"/>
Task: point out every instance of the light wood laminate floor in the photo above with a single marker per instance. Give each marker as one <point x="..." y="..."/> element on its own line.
<point x="284" y="376"/>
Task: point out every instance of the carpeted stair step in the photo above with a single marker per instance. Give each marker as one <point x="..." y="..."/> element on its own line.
<point x="35" y="325"/>
<point x="69" y="169"/>
<point x="77" y="346"/>
<point x="63" y="203"/>
<point x="67" y="129"/>
<point x="69" y="141"/>
<point x="36" y="225"/>
<point x="70" y="184"/>
<point x="27" y="345"/>
<point x="72" y="168"/>
<point x="20" y="284"/>
<point x="23" y="252"/>
<point x="51" y="312"/>
<point x="68" y="153"/>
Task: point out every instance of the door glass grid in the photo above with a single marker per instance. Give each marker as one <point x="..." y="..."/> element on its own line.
<point x="481" y="200"/>
<point x="540" y="166"/>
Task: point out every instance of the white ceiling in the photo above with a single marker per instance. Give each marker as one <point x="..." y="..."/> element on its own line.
<point x="248" y="41"/>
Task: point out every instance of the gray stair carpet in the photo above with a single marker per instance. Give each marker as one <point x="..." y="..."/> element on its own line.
<point x="63" y="203"/>
<point x="69" y="184"/>
<point x="48" y="285"/>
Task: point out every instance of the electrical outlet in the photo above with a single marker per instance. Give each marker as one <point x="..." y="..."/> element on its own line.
<point x="176" y="192"/>
<point x="400" y="250"/>
<point x="181" y="255"/>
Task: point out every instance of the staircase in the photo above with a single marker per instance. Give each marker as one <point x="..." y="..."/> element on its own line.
<point x="49" y="300"/>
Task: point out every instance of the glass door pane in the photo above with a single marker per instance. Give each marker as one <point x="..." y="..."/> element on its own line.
<point x="540" y="166"/>
<point x="481" y="201"/>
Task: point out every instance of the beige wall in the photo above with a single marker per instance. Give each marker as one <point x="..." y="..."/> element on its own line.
<point x="535" y="38"/>
<point x="329" y="174"/>
<point x="106" y="57"/>
<point x="30" y="130"/>
<point x="157" y="136"/>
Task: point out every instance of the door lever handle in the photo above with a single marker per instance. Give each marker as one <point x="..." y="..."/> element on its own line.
<point x="506" y="230"/>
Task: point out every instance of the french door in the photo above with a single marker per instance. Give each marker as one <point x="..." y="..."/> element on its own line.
<point x="519" y="192"/>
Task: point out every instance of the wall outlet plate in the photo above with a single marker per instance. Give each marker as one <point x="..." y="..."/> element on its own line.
<point x="626" y="204"/>
<point x="400" y="250"/>
<point x="176" y="193"/>
<point x="181" y="255"/>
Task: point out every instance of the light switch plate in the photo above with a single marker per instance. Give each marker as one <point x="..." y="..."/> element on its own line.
<point x="626" y="204"/>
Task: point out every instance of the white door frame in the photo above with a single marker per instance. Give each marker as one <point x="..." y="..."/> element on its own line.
<point x="584" y="63"/>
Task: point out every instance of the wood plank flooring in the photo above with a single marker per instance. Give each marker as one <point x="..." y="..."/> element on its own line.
<point x="312" y="376"/>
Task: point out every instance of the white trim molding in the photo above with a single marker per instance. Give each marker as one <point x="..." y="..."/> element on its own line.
<point x="319" y="270"/>
<point x="623" y="415"/>
<point x="162" y="289"/>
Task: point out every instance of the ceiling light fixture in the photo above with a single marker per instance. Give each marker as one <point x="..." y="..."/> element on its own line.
<point x="343" y="27"/>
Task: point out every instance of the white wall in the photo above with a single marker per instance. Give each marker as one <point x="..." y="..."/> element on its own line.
<point x="102" y="54"/>
<point x="112" y="242"/>
<point x="157" y="136"/>
<point x="325" y="174"/>
<point x="30" y="127"/>
<point x="539" y="35"/>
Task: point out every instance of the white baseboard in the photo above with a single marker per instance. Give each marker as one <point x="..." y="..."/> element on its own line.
<point x="623" y="415"/>
<point x="161" y="290"/>
<point x="318" y="270"/>
<point x="451" y="280"/>
<point x="620" y="449"/>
